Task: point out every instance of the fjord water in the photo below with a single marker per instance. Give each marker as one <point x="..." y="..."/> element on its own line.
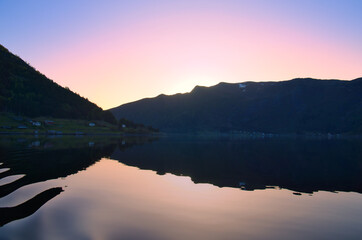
<point x="180" y="188"/>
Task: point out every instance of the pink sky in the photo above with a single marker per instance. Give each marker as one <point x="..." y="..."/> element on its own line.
<point x="155" y="52"/>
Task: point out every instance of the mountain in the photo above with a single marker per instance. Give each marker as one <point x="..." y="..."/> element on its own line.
<point x="302" y="105"/>
<point x="25" y="91"/>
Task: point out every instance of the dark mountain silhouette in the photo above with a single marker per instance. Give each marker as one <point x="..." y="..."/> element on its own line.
<point x="37" y="165"/>
<point x="52" y="158"/>
<point x="295" y="106"/>
<point x="9" y="214"/>
<point x="44" y="164"/>
<point x="302" y="165"/>
<point x="25" y="91"/>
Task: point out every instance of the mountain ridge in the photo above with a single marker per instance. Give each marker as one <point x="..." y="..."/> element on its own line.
<point x="300" y="105"/>
<point x="26" y="91"/>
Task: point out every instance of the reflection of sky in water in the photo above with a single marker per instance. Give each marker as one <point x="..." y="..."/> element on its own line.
<point x="10" y="179"/>
<point x="111" y="200"/>
<point x="4" y="170"/>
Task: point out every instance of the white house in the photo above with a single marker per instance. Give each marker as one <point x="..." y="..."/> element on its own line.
<point x="242" y="85"/>
<point x="38" y="124"/>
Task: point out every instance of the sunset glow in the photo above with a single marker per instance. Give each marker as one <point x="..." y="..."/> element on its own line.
<point x="119" y="52"/>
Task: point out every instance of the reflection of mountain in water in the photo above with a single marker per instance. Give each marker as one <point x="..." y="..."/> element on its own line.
<point x="9" y="214"/>
<point x="42" y="165"/>
<point x="299" y="165"/>
<point x="43" y="161"/>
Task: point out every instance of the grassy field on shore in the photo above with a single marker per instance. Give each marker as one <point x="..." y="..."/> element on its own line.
<point x="10" y="123"/>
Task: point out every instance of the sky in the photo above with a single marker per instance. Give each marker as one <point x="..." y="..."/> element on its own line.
<point x="114" y="52"/>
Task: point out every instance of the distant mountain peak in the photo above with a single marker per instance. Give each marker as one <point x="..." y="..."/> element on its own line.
<point x="301" y="105"/>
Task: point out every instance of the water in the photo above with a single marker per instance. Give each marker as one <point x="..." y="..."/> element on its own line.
<point x="180" y="188"/>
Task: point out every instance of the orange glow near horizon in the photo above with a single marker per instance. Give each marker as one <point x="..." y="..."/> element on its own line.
<point x="171" y="52"/>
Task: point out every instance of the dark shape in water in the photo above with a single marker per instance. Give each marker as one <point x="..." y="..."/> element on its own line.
<point x="42" y="165"/>
<point x="64" y="157"/>
<point x="9" y="214"/>
<point x="301" y="165"/>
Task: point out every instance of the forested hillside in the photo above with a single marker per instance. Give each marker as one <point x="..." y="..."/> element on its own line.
<point x="25" y="91"/>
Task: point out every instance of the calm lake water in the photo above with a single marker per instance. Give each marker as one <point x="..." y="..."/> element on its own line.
<point x="180" y="188"/>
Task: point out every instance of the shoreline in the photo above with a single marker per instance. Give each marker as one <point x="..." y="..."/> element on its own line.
<point x="78" y="134"/>
<point x="198" y="135"/>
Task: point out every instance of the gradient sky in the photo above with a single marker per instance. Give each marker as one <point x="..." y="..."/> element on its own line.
<point x="113" y="52"/>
